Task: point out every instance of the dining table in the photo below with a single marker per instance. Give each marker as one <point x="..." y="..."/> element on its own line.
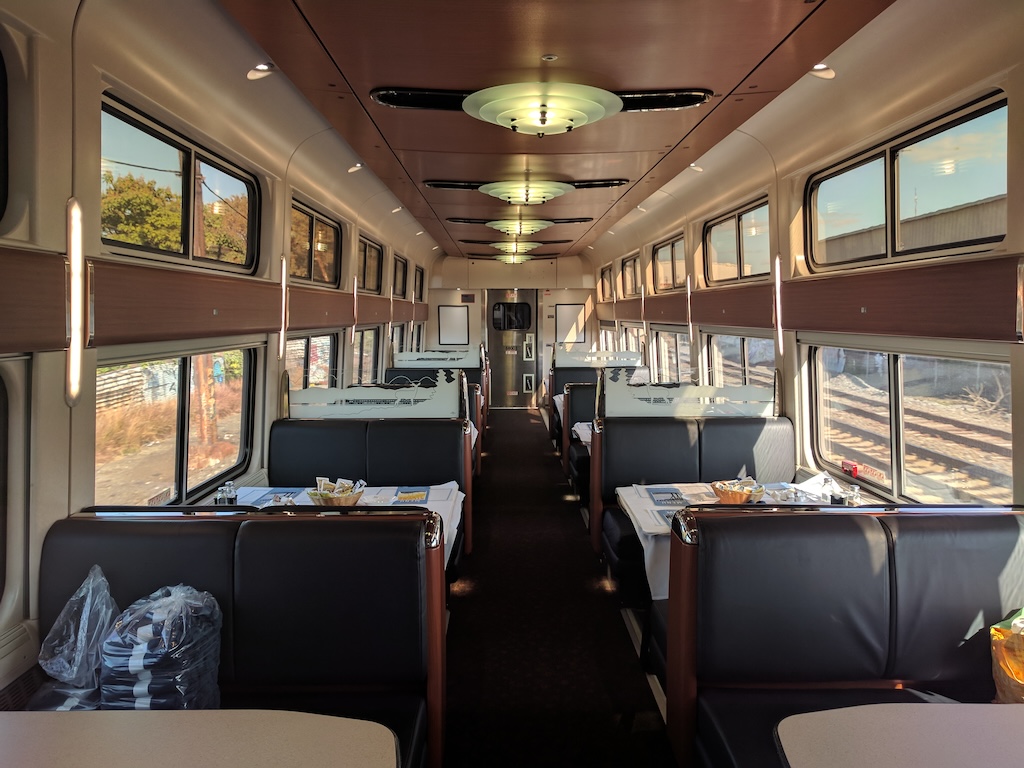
<point x="226" y="738"/>
<point x="445" y="499"/>
<point x="937" y="735"/>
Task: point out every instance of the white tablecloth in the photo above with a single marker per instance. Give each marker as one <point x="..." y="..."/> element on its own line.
<point x="584" y="431"/>
<point x="446" y="500"/>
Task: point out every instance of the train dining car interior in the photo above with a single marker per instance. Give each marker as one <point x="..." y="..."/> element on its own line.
<point x="577" y="383"/>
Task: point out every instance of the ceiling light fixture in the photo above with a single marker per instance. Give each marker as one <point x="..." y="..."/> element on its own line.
<point x="516" y="246"/>
<point x="356" y="167"/>
<point x="697" y="168"/>
<point x="541" y="109"/>
<point x="518" y="227"/>
<point x="260" y="71"/>
<point x="824" y="71"/>
<point x="526" y="192"/>
<point x="396" y="210"/>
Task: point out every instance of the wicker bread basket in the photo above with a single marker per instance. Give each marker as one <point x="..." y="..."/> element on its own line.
<point x="333" y="499"/>
<point x="733" y="493"/>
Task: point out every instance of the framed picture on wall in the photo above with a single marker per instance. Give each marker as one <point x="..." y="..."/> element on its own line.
<point x="570" y="323"/>
<point x="452" y="324"/>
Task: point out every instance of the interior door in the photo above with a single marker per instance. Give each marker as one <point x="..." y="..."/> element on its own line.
<point x="512" y="347"/>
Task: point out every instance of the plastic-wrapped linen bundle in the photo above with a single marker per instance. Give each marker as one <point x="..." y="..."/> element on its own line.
<point x="164" y="653"/>
<point x="70" y="653"/>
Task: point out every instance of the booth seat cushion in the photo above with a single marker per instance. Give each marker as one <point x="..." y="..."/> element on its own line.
<point x="624" y="556"/>
<point x="763" y="448"/>
<point x="194" y="552"/>
<point x="579" y="470"/>
<point x="655" y="640"/>
<point x="941" y="635"/>
<point x="736" y="726"/>
<point x="303" y="449"/>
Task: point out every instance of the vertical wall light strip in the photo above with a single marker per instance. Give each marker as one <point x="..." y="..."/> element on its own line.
<point x="282" y="340"/>
<point x="778" y="303"/>
<point x="76" y="303"/>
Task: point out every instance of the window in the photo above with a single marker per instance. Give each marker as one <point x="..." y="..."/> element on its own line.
<point x="163" y="196"/>
<point x="311" y="361"/>
<point x="930" y="429"/>
<point x="315" y="248"/>
<point x="670" y="265"/>
<point x="371" y="257"/>
<point x="672" y="356"/>
<point x="364" y="356"/>
<point x="417" y="284"/>
<point x="607" y="337"/>
<point x="511" y="316"/>
<point x="398" y="337"/>
<point x="631" y="276"/>
<point x="167" y="430"/>
<point x="4" y="442"/>
<point x="631" y="337"/>
<point x="949" y="184"/>
<point x="607" y="285"/>
<point x="400" y="278"/>
<point x="737" y="246"/>
<point x="416" y="342"/>
<point x="737" y="361"/>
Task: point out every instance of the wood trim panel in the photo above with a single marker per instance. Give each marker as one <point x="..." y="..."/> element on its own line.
<point x="743" y="306"/>
<point x="402" y="311"/>
<point x="310" y="308"/>
<point x="373" y="310"/>
<point x="420" y="312"/>
<point x="630" y="310"/>
<point x="963" y="300"/>
<point x="32" y="301"/>
<point x="144" y="303"/>
<point x="667" y="308"/>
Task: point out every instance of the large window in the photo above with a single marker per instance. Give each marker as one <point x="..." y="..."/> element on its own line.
<point x="928" y="429"/>
<point x="312" y="361"/>
<point x="631" y="337"/>
<point x="672" y="356"/>
<point x="398" y="338"/>
<point x="371" y="257"/>
<point x="163" y="196"/>
<point x="737" y="246"/>
<point x="670" y="265"/>
<point x="168" y="429"/>
<point x="606" y="337"/>
<point x="315" y="248"/>
<point x="737" y="361"/>
<point x="948" y="183"/>
<point x="364" y="355"/>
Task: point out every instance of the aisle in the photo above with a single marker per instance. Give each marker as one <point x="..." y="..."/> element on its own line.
<point x="541" y="670"/>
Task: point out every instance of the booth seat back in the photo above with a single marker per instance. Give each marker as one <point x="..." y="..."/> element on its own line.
<point x="763" y="448"/>
<point x="648" y="450"/>
<point x="303" y="449"/>
<point x="416" y="452"/>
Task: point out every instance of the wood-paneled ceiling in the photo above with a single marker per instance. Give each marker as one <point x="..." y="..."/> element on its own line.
<point x="336" y="52"/>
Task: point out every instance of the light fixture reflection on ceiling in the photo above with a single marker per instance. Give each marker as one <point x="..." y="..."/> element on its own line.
<point x="518" y="227"/>
<point x="356" y="167"/>
<point x="260" y="71"/>
<point x="697" y="168"/>
<point x="541" y="109"/>
<point x="396" y="210"/>
<point x="516" y="246"/>
<point x="526" y="192"/>
<point x="824" y="71"/>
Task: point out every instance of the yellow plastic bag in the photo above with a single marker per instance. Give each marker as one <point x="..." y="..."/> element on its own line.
<point x="1008" y="658"/>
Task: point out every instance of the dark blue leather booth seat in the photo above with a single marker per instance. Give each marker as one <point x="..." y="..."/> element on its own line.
<point x="646" y="451"/>
<point x="341" y="615"/>
<point x="580" y="406"/>
<point x="557" y="379"/>
<point x="799" y="612"/>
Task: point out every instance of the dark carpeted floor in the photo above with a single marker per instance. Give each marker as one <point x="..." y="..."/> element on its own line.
<point x="541" y="670"/>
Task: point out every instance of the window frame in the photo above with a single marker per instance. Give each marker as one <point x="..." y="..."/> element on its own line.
<point x="365" y="244"/>
<point x="399" y="289"/>
<point x="629" y="271"/>
<point x="247" y="416"/>
<point x="676" y="263"/>
<point x="736" y="216"/>
<point x="194" y="152"/>
<point x="607" y="283"/>
<point x="888" y="151"/>
<point x="317" y="217"/>
<point x="358" y="344"/>
<point x="332" y="364"/>
<point x="417" y="283"/>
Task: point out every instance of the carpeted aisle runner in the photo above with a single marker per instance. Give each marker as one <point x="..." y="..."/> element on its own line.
<point x="541" y="670"/>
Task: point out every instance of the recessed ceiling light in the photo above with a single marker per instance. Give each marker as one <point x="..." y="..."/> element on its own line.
<point x="824" y="71"/>
<point x="355" y="168"/>
<point x="435" y="247"/>
<point x="396" y="210"/>
<point x="260" y="71"/>
<point x="419" y="233"/>
<point x="697" y="168"/>
<point x="641" y="209"/>
<point x="549" y="57"/>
